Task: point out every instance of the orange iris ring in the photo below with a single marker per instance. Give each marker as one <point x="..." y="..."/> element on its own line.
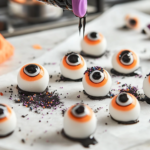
<point x="149" y="78"/>
<point x="137" y="22"/>
<point x="81" y="119"/>
<point x="124" y="108"/>
<point x="27" y="78"/>
<point x="66" y="65"/>
<point x="135" y="60"/>
<point x="87" y="78"/>
<point x="90" y="42"/>
<point x="9" y="114"/>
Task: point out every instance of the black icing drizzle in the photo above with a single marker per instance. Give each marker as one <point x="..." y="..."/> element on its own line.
<point x="126" y="122"/>
<point x="62" y="78"/>
<point x="134" y="73"/>
<point x="3" y="136"/>
<point x="85" y="142"/>
<point x="109" y="95"/>
<point x="91" y="56"/>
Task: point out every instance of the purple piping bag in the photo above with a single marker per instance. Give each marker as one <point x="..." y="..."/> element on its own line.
<point x="79" y="7"/>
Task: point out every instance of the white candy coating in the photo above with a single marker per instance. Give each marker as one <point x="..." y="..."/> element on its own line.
<point x="120" y="69"/>
<point x="94" y="50"/>
<point x="97" y="91"/>
<point x="77" y="129"/>
<point x="9" y="125"/>
<point x="125" y="116"/>
<point x="73" y="74"/>
<point x="34" y="86"/>
<point x="146" y="86"/>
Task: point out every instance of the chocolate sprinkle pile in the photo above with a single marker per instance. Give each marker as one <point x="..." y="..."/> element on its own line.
<point x="47" y="100"/>
<point x="90" y="70"/>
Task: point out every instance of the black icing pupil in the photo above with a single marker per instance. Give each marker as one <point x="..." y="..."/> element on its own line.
<point x="126" y="58"/>
<point x="31" y="69"/>
<point x="1" y="111"/>
<point x="96" y="75"/>
<point x="80" y="110"/>
<point x="132" y="22"/>
<point x="73" y="58"/>
<point x="94" y="35"/>
<point x="123" y="98"/>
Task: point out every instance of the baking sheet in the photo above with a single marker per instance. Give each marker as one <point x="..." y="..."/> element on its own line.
<point x="113" y="136"/>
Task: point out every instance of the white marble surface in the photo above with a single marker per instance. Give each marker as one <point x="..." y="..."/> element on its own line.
<point x="111" y="137"/>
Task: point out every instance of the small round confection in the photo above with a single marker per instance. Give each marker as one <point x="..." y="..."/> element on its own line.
<point x="94" y="44"/>
<point x="146" y="86"/>
<point x="132" y="22"/>
<point x="97" y="82"/>
<point x="147" y="30"/>
<point x="79" y="121"/>
<point x="125" y="108"/>
<point x="8" y="120"/>
<point x="73" y="66"/>
<point x="125" y="61"/>
<point x="33" y="78"/>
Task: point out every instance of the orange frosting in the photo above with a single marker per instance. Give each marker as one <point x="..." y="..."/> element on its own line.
<point x="90" y="42"/>
<point x="97" y="84"/>
<point x="81" y="119"/>
<point x="28" y="78"/>
<point x="135" y="59"/>
<point x="6" y="118"/>
<point x="6" y="49"/>
<point x="73" y="67"/>
<point x="124" y="108"/>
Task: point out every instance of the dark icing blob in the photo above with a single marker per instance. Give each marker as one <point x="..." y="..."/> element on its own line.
<point x="1" y="111"/>
<point x="62" y="78"/>
<point x="96" y="75"/>
<point x="85" y="142"/>
<point x="94" y="35"/>
<point x="109" y="95"/>
<point x="126" y="122"/>
<point x="31" y="69"/>
<point x="73" y="58"/>
<point x="80" y="110"/>
<point x="123" y="98"/>
<point x="125" y="57"/>
<point x="137" y="72"/>
<point x="132" y="22"/>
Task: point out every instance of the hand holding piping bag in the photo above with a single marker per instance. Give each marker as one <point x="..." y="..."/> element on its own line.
<point x="78" y="7"/>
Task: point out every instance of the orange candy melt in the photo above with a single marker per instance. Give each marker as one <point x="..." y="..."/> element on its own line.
<point x="127" y="66"/>
<point x="6" y="49"/>
<point x="124" y="108"/>
<point x="81" y="119"/>
<point x="6" y="118"/>
<point x="97" y="84"/>
<point x="73" y="67"/>
<point x="90" y="42"/>
<point x="27" y="78"/>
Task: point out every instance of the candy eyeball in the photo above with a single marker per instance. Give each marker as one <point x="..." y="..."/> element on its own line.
<point x="132" y="22"/>
<point x="94" y="44"/>
<point x="125" y="61"/>
<point x="146" y="86"/>
<point x="79" y="121"/>
<point x="73" y="66"/>
<point x="147" y="30"/>
<point x="7" y="120"/>
<point x="33" y="78"/>
<point x="96" y="82"/>
<point x="125" y="108"/>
